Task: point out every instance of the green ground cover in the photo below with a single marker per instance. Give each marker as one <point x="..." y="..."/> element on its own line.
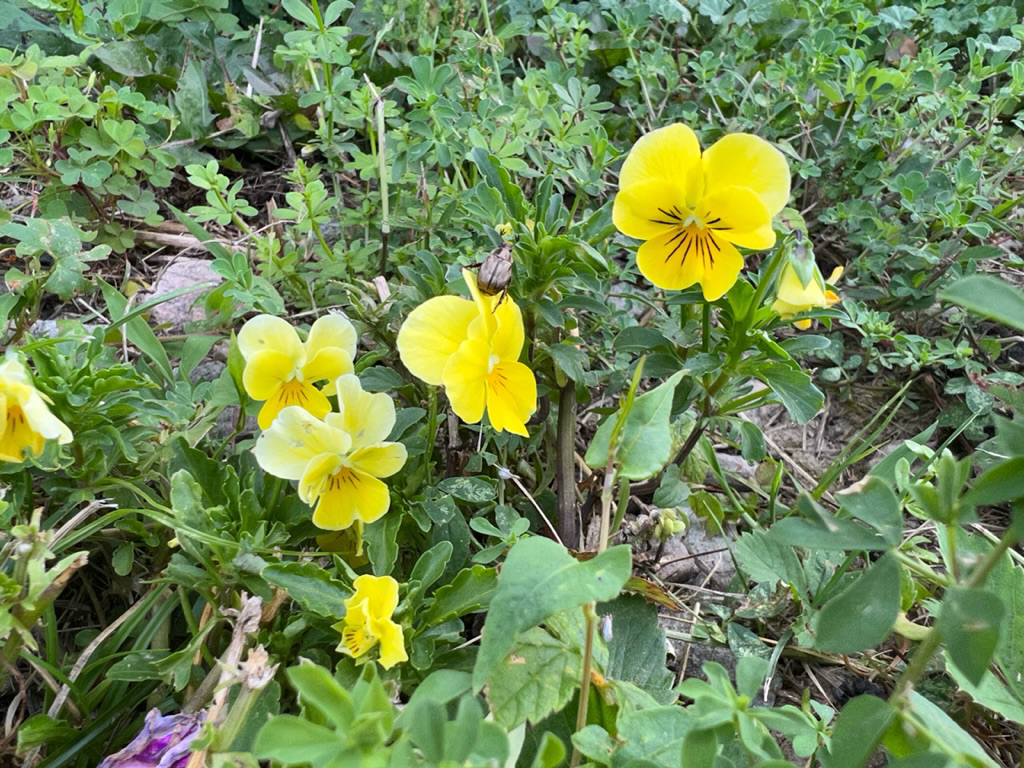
<point x="597" y="383"/>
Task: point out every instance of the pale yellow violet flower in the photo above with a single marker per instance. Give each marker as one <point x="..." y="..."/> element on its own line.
<point x="472" y="348"/>
<point x="281" y="369"/>
<point x="337" y="460"/>
<point x="25" y="418"/>
<point x="793" y="297"/>
<point x="368" y="623"/>
<point x="692" y="209"/>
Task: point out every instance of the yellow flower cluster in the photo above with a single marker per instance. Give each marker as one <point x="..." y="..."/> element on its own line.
<point x="472" y="348"/>
<point x="337" y="457"/>
<point x="25" y="419"/>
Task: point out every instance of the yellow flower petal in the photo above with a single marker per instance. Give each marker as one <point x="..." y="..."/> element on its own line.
<point x="796" y="294"/>
<point x="367" y="417"/>
<point x="432" y="333"/>
<point x="737" y="214"/>
<point x="669" y="260"/>
<point x="509" y="335"/>
<point x="721" y="269"/>
<point x="381" y="460"/>
<point x="349" y="495"/>
<point x="465" y="380"/>
<point x="836" y="274"/>
<point x="392" y="642"/>
<point x="294" y="392"/>
<point x="268" y="332"/>
<point x="645" y="210"/>
<point x="511" y="397"/>
<point x="44" y="423"/>
<point x="330" y="348"/>
<point x="293" y="440"/>
<point x="670" y="155"/>
<point x="356" y="639"/>
<point x="316" y="478"/>
<point x="18" y="440"/>
<point x="379" y="595"/>
<point x="744" y="160"/>
<point x="265" y="372"/>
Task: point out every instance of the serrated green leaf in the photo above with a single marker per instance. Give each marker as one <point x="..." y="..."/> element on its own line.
<point x="309" y="585"/>
<point x="794" y="389"/>
<point x="636" y="651"/>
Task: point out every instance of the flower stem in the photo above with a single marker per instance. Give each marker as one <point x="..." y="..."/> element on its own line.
<point x="431" y="432"/>
<point x="568" y="530"/>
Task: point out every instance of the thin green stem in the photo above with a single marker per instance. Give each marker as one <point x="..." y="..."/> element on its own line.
<point x="431" y="432"/>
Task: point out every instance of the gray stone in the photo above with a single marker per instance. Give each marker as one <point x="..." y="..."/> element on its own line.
<point x="183" y="272"/>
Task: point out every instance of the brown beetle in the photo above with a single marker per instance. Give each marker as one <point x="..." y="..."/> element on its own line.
<point x="495" y="273"/>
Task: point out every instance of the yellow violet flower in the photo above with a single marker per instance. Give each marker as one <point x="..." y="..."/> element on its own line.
<point x="368" y="623"/>
<point x="692" y="209"/>
<point x="794" y="297"/>
<point x="338" y="460"/>
<point x="25" y="419"/>
<point x="472" y="348"/>
<point x="281" y="369"/>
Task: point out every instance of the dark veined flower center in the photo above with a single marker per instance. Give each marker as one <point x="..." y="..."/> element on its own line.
<point x="692" y="235"/>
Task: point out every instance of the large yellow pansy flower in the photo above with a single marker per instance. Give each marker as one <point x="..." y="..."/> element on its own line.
<point x="693" y="209"/>
<point x="794" y="297"/>
<point x="25" y="420"/>
<point x="281" y="369"/>
<point x="337" y="460"/>
<point x="368" y="623"/>
<point x="472" y="348"/>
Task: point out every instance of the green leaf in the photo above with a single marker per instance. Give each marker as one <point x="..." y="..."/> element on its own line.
<point x="645" y="442"/>
<point x="943" y="731"/>
<point x="476" y="490"/>
<point x="990" y="692"/>
<point x="765" y="560"/>
<point x="989" y="297"/>
<point x="316" y="687"/>
<point x="294" y="741"/>
<point x="309" y="585"/>
<point x="636" y="651"/>
<point x="857" y="732"/>
<point x="126" y="57"/>
<point x="819" y="529"/>
<point x="136" y="329"/>
<point x="969" y="621"/>
<point x="471" y="590"/>
<point x="1007" y="581"/>
<point x="192" y="99"/>
<point x="498" y="179"/>
<point x="999" y="484"/>
<point x="794" y="389"/>
<point x="862" y="614"/>
<point x="872" y="501"/>
<point x="654" y="734"/>
<point x="540" y="578"/>
<point x="536" y="678"/>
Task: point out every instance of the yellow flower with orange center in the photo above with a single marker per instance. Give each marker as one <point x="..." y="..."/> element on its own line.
<point x="338" y="460"/>
<point x="26" y="422"/>
<point x="281" y="369"/>
<point x="692" y="209"/>
<point x="471" y="347"/>
<point x="367" y="623"/>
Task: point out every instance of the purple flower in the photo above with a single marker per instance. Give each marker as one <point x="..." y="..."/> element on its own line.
<point x="163" y="743"/>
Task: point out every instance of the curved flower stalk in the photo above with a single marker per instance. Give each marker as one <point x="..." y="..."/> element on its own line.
<point x="692" y="209"/>
<point x="368" y="623"/>
<point x="281" y="369"/>
<point x="338" y="460"/>
<point x="25" y="419"/>
<point x="793" y="297"/>
<point x="472" y="349"/>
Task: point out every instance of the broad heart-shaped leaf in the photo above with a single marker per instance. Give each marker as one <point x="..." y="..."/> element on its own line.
<point x="309" y="585"/>
<point x="969" y="620"/>
<point x="988" y="297"/>
<point x="540" y="578"/>
<point x="636" y="651"/>
<point x="859" y="728"/>
<point x="645" y="441"/>
<point x="766" y="561"/>
<point x="537" y="678"/>
<point x="794" y="389"/>
<point x="862" y="614"/>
